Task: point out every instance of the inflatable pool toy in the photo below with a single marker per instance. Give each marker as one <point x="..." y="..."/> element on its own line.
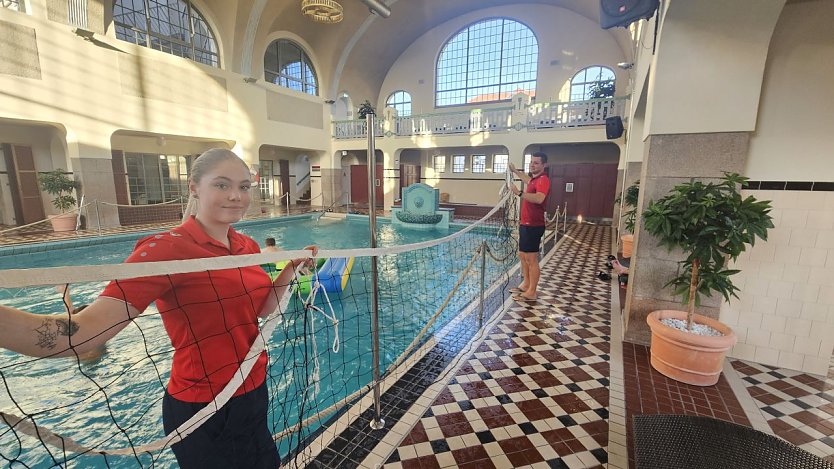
<point x="332" y="276"/>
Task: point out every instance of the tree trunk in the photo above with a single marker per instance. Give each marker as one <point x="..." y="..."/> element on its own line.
<point x="693" y="283"/>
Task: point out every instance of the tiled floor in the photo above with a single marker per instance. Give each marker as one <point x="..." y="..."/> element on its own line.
<point x="551" y="385"/>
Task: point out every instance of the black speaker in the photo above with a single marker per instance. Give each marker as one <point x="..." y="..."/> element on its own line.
<point x="613" y="127"/>
<point x="624" y="12"/>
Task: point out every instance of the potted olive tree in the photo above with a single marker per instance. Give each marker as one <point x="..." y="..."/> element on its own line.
<point x="629" y="204"/>
<point x="710" y="223"/>
<point x="61" y="187"/>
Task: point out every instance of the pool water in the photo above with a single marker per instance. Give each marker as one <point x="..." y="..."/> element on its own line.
<point x="90" y="401"/>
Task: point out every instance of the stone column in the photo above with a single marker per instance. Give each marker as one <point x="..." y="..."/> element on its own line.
<point x="671" y="160"/>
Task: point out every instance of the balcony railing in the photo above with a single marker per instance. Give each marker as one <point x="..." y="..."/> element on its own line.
<point x="573" y="114"/>
<point x="537" y="117"/>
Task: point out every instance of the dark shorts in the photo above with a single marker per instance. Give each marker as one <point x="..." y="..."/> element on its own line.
<point x="530" y="238"/>
<point x="237" y="436"/>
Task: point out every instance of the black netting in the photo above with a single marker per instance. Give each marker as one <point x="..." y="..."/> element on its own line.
<point x="319" y="348"/>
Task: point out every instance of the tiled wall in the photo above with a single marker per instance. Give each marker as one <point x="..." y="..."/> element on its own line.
<point x="785" y="312"/>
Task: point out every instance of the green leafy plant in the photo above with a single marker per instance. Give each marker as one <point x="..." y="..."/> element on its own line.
<point x="710" y="223"/>
<point x="629" y="202"/>
<point x="61" y="187"/>
<point x="602" y="89"/>
<point x="366" y="108"/>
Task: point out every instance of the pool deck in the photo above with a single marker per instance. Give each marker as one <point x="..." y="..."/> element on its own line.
<point x="551" y="384"/>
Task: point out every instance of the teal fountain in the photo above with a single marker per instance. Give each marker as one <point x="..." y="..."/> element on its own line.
<point x="421" y="209"/>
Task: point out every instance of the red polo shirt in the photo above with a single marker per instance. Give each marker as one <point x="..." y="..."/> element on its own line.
<point x="533" y="214"/>
<point x="211" y="317"/>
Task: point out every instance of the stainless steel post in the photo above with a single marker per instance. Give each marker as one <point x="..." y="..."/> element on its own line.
<point x="377" y="422"/>
<point x="98" y="218"/>
<point x="483" y="280"/>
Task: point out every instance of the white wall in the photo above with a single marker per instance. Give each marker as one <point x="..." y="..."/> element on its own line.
<point x="785" y="315"/>
<point x="568" y="40"/>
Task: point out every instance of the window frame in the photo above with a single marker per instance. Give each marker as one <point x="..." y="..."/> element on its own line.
<point x="505" y="164"/>
<point x="455" y="166"/>
<point x="479" y="168"/>
<point x="527" y="158"/>
<point x="398" y="104"/>
<point x="168" y="44"/>
<point x="442" y="166"/>
<point x="500" y="84"/>
<point x="305" y="65"/>
<point x="586" y="85"/>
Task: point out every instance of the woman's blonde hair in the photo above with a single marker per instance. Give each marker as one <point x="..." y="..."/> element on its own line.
<point x="202" y="165"/>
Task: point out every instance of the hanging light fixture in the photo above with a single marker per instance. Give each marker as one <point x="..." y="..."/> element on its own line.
<point x="322" y="11"/>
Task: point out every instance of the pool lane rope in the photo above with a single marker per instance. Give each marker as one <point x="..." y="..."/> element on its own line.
<point x="12" y="278"/>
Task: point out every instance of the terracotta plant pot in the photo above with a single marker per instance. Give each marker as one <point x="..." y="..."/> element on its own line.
<point x="686" y="357"/>
<point x="628" y="243"/>
<point x="63" y="222"/>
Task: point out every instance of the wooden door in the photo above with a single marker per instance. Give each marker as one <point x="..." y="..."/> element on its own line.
<point x="284" y="167"/>
<point x="359" y="185"/>
<point x="409" y="174"/>
<point x="23" y="181"/>
<point x="593" y="189"/>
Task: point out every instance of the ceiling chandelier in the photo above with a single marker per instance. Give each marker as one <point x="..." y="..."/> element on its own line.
<point x="322" y="11"/>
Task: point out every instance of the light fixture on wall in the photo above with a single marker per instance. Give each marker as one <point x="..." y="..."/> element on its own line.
<point x="85" y="33"/>
<point x="250" y="79"/>
<point x="626" y="65"/>
<point x="322" y="11"/>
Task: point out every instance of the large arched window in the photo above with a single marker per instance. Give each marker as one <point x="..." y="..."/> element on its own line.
<point x="592" y="83"/>
<point x="488" y="61"/>
<point x="172" y="26"/>
<point x="286" y="64"/>
<point x="401" y="101"/>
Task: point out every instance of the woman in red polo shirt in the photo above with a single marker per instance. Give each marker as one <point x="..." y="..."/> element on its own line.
<point x="211" y="318"/>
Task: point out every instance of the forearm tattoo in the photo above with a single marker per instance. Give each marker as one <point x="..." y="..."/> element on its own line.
<point x="50" y="329"/>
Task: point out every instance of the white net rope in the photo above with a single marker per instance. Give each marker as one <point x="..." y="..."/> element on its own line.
<point x="318" y="342"/>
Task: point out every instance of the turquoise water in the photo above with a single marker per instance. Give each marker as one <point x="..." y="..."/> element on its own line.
<point x="90" y="401"/>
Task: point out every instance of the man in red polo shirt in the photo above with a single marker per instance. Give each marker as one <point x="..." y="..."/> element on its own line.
<point x="532" y="224"/>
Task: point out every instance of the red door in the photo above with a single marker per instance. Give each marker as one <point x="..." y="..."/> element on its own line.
<point x="587" y="188"/>
<point x="359" y="185"/>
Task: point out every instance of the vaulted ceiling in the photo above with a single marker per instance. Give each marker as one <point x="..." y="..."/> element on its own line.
<point x="369" y="43"/>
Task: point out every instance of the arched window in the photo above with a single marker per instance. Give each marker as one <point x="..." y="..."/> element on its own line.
<point x="172" y="26"/>
<point x="401" y="101"/>
<point x="286" y="64"/>
<point x="592" y="83"/>
<point x="488" y="61"/>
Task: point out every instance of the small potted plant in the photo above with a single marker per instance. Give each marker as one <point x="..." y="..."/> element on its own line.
<point x="365" y="108"/>
<point x="61" y="187"/>
<point x="629" y="203"/>
<point x="710" y="223"/>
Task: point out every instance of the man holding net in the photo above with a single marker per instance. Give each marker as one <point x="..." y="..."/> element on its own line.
<point x="210" y="316"/>
<point x="532" y="224"/>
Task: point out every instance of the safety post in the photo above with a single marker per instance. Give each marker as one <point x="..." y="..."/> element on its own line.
<point x="377" y="422"/>
<point x="483" y="249"/>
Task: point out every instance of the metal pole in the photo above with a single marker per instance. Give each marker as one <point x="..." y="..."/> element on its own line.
<point x="483" y="281"/>
<point x="98" y="218"/>
<point x="565" y="222"/>
<point x="377" y="422"/>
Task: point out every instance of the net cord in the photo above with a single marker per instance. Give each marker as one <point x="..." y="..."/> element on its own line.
<point x="18" y="278"/>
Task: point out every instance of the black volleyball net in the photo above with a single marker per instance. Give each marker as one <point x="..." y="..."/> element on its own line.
<point x="101" y="407"/>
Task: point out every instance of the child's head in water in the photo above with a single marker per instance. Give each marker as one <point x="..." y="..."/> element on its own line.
<point x="270" y="241"/>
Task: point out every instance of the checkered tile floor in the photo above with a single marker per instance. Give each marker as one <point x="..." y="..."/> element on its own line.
<point x="535" y="392"/>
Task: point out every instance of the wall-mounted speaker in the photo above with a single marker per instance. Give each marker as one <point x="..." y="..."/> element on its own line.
<point x="624" y="12"/>
<point x="613" y="127"/>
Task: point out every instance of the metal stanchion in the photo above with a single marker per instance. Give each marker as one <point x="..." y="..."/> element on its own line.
<point x="98" y="218"/>
<point x="377" y="422"/>
<point x="483" y="280"/>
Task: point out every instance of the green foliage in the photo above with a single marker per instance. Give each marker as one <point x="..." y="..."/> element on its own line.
<point x="629" y="201"/>
<point x="710" y="223"/>
<point x="57" y="184"/>
<point x="366" y="108"/>
<point x="602" y="89"/>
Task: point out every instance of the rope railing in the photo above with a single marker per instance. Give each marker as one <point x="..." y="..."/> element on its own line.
<point x="76" y="210"/>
